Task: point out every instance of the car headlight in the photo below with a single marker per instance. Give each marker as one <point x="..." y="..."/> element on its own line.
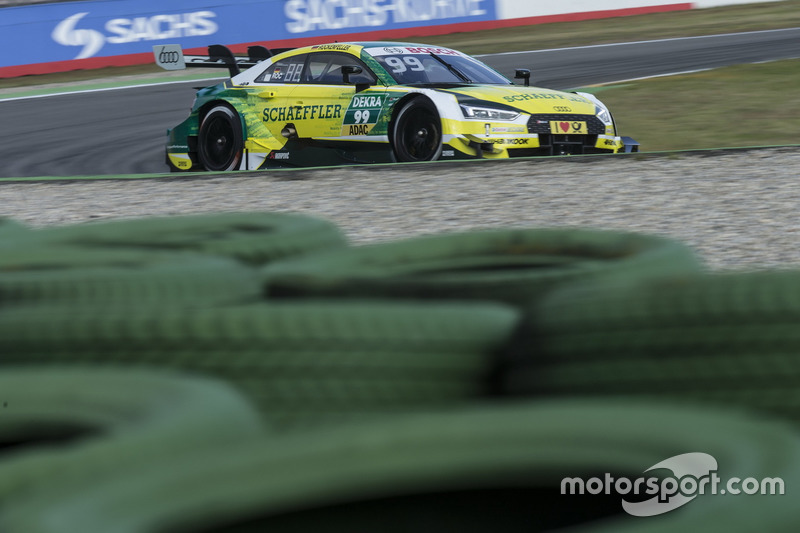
<point x="487" y="113"/>
<point x="603" y="114"/>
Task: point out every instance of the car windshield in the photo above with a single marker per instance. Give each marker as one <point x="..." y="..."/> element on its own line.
<point x="434" y="66"/>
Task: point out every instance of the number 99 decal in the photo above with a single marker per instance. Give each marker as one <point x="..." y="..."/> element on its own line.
<point x="401" y="64"/>
<point x="361" y="117"/>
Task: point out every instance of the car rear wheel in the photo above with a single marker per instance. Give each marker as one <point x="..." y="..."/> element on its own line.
<point x="417" y="132"/>
<point x="220" y="139"/>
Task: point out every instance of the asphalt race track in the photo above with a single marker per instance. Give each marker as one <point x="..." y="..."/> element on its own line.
<point x="575" y="67"/>
<point x="123" y="131"/>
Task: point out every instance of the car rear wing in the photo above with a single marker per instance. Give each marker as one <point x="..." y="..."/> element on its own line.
<point x="170" y="57"/>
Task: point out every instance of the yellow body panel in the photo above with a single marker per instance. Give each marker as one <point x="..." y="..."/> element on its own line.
<point x="530" y="99"/>
<point x="181" y="161"/>
<point x="319" y="109"/>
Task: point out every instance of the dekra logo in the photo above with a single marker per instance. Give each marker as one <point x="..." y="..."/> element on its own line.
<point x="129" y="30"/>
<point x="367" y="102"/>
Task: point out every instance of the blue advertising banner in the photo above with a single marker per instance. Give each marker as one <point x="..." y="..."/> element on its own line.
<point x="324" y="17"/>
<point x="66" y="31"/>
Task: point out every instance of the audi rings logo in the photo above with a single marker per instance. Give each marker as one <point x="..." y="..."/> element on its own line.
<point x="169" y="56"/>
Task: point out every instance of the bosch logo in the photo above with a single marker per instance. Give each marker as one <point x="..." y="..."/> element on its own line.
<point x="168" y="56"/>
<point x="396" y="51"/>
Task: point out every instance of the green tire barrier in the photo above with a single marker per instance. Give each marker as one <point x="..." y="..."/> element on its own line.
<point x="727" y="338"/>
<point x="476" y="469"/>
<point x="254" y="238"/>
<point x="66" y="274"/>
<point x="513" y="266"/>
<point x="79" y="422"/>
<point x="297" y="360"/>
<point x="11" y="231"/>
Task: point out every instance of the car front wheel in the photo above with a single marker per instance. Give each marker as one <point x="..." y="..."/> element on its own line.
<point x="417" y="132"/>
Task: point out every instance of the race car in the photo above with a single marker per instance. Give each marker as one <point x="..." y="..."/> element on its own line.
<point x="374" y="102"/>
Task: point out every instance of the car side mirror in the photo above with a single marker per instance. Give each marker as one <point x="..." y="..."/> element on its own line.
<point x="347" y="70"/>
<point x="523" y="74"/>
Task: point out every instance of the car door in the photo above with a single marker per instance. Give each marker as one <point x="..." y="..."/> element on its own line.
<point x="269" y="93"/>
<point x="325" y="106"/>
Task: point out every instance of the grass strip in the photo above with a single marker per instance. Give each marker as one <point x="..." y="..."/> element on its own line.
<point x="738" y="106"/>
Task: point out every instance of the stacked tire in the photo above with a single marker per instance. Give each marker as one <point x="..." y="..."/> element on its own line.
<point x="255" y="371"/>
<point x="731" y="339"/>
<point x="473" y="468"/>
<point x="515" y="266"/>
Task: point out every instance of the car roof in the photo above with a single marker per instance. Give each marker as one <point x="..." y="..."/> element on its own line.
<point x="355" y="47"/>
<point x="393" y="44"/>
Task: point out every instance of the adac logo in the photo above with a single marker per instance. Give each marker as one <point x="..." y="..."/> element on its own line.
<point x="131" y="30"/>
<point x="67" y="34"/>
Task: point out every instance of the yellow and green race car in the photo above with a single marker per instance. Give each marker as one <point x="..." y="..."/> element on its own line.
<point x="374" y="102"/>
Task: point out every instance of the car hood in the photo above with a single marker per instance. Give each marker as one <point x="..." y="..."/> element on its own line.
<point x="527" y="99"/>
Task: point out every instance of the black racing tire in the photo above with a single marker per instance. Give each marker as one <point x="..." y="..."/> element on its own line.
<point x="299" y="362"/>
<point x="730" y="339"/>
<point x="77" y="421"/>
<point x="417" y="131"/>
<point x="514" y="266"/>
<point x="219" y="142"/>
<point x="473" y="469"/>
<point x="253" y="238"/>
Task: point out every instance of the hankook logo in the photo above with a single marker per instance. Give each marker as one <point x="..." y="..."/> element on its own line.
<point x="130" y="30"/>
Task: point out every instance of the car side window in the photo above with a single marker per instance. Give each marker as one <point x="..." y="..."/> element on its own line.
<point x="326" y="68"/>
<point x="288" y="70"/>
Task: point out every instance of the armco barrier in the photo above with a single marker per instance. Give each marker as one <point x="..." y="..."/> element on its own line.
<point x="65" y="36"/>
